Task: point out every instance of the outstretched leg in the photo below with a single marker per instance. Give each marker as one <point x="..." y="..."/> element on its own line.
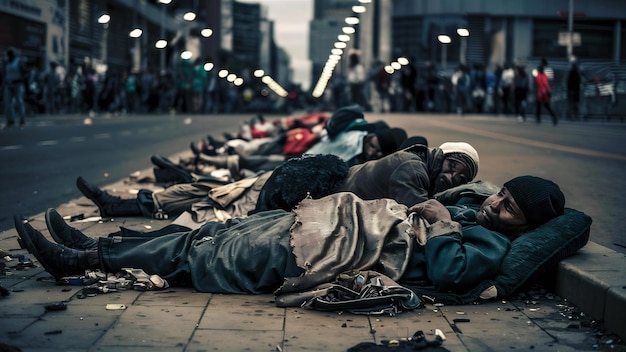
<point x="57" y="259"/>
<point x="107" y="204"/>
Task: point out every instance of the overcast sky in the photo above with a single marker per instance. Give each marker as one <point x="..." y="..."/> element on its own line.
<point x="291" y="32"/>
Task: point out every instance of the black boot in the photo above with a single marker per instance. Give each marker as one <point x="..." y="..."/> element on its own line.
<point x="57" y="259"/>
<point x="67" y="235"/>
<point x="164" y="163"/>
<point x="108" y="205"/>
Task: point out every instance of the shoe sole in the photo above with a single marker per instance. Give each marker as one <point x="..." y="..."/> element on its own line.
<point x="56" y="237"/>
<point x="30" y="246"/>
<point x="164" y="163"/>
<point x="80" y="184"/>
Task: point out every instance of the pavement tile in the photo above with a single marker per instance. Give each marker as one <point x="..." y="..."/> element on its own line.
<point x="235" y="340"/>
<point x="141" y="325"/>
<point x="64" y="330"/>
<point x="178" y="296"/>
<point x="324" y="331"/>
<point x="243" y="312"/>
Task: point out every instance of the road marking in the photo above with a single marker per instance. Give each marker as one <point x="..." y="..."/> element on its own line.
<point x="51" y="142"/>
<point x="78" y="139"/>
<point x="11" y="147"/>
<point x="102" y="136"/>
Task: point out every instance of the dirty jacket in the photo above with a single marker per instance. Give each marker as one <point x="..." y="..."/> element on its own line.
<point x="296" y="251"/>
<point x="405" y="176"/>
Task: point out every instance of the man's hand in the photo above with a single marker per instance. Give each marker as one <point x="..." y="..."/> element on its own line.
<point x="431" y="211"/>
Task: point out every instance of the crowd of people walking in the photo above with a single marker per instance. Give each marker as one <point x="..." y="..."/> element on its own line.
<point x="507" y="89"/>
<point x="189" y="88"/>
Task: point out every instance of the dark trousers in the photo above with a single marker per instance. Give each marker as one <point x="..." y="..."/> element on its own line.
<point x="241" y="255"/>
<point x="538" y="112"/>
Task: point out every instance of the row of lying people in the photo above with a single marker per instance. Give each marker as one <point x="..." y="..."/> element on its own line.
<point x="346" y="134"/>
<point x="414" y="218"/>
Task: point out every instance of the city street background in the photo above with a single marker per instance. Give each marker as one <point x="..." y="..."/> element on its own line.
<point x="41" y="162"/>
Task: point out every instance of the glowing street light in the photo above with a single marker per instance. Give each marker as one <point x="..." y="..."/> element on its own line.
<point x="208" y="66"/>
<point x="259" y="73"/>
<point x="341" y="45"/>
<point x="348" y="30"/>
<point x="135" y="33"/>
<point x="186" y="55"/>
<point x="444" y="39"/>
<point x="463" y="33"/>
<point x="403" y="61"/>
<point x="352" y="20"/>
<point x="160" y="44"/>
<point x="358" y="8"/>
<point x="207" y="32"/>
<point x="189" y="16"/>
<point x="222" y="73"/>
<point x="104" y="18"/>
<point x="343" y="38"/>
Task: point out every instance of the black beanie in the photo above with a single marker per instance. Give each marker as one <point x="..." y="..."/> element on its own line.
<point x="540" y="200"/>
<point x="342" y="118"/>
<point x="390" y="139"/>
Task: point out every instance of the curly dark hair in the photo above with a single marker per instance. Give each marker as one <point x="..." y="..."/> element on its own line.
<point x="313" y="175"/>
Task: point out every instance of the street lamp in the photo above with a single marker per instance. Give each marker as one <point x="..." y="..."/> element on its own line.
<point x="104" y="18"/>
<point x="135" y="33"/>
<point x="162" y="43"/>
<point x="444" y="40"/>
<point x="463" y="33"/>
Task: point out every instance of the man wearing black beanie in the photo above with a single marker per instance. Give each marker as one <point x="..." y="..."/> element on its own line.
<point x="281" y="251"/>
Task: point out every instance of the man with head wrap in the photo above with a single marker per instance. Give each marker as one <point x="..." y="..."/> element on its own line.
<point x="408" y="176"/>
<point x="452" y="248"/>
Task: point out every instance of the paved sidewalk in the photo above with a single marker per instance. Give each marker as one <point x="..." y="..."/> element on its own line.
<point x="181" y="319"/>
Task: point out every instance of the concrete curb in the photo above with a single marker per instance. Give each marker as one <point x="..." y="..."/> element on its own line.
<point x="593" y="279"/>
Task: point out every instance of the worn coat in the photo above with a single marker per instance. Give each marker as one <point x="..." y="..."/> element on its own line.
<point x="404" y="176"/>
<point x="296" y="251"/>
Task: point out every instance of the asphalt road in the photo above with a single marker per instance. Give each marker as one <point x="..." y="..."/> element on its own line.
<point x="587" y="159"/>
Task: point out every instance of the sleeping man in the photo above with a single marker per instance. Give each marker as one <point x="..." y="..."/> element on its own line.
<point x="451" y="248"/>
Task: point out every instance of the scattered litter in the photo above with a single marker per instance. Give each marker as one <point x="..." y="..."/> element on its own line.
<point x="440" y="334"/>
<point x="147" y="226"/>
<point x="56" y="306"/>
<point x="115" y="306"/>
<point x="460" y="313"/>
<point x="90" y="219"/>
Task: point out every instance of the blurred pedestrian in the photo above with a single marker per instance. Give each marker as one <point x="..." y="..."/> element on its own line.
<point x="356" y="80"/>
<point x="544" y="93"/>
<point x="479" y="87"/>
<point x="573" y="91"/>
<point x="52" y="81"/>
<point x="130" y="89"/>
<point x="506" y="87"/>
<point x="461" y="85"/>
<point x="382" y="83"/>
<point x="432" y="83"/>
<point x="198" y="86"/>
<point x="13" y="74"/>
<point x="520" y="91"/>
<point x="408" y="76"/>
